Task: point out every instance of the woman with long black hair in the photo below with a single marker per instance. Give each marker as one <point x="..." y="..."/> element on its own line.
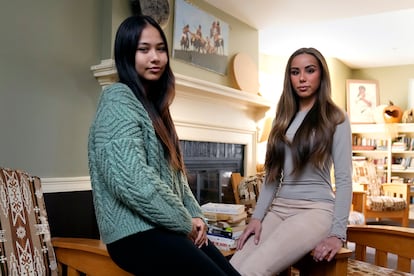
<point x="146" y="212"/>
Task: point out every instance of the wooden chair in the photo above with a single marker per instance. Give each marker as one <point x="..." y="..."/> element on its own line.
<point x="235" y="180"/>
<point x="250" y="190"/>
<point x="379" y="201"/>
<point x="26" y="246"/>
<point x="384" y="240"/>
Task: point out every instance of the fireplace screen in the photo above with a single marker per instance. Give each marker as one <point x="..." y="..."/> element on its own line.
<point x="209" y="168"/>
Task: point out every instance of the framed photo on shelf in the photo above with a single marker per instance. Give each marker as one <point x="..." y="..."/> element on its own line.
<point x="362" y="98"/>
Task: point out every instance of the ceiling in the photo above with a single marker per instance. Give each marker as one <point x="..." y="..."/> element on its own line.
<point x="360" y="33"/>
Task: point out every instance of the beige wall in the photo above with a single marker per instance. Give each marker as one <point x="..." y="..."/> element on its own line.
<point x="48" y="94"/>
<point x="242" y="38"/>
<point x="272" y="70"/>
<point x="393" y="82"/>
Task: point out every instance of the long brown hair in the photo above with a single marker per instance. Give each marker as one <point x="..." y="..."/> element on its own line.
<point x="318" y="125"/>
<point x="156" y="101"/>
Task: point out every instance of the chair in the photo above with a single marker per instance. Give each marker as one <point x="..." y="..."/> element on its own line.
<point x="26" y="246"/>
<point x="387" y="242"/>
<point x="379" y="200"/>
<point x="25" y="242"/>
<point x="246" y="189"/>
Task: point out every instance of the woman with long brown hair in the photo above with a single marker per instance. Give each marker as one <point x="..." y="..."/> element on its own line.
<point x="297" y="209"/>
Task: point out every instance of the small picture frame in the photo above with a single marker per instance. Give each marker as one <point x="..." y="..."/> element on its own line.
<point x="362" y="99"/>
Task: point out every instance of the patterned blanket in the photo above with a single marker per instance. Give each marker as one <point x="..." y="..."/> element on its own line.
<point x="359" y="268"/>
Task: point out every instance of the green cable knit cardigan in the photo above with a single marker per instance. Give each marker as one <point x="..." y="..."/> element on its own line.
<point x="134" y="187"/>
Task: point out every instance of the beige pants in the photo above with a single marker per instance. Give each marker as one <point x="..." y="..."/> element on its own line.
<point x="290" y="229"/>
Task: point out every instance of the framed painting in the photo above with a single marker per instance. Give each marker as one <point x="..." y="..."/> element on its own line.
<point x="362" y="98"/>
<point x="200" y="38"/>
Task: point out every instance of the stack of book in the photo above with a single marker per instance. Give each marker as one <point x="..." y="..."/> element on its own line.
<point x="226" y="223"/>
<point x="399" y="146"/>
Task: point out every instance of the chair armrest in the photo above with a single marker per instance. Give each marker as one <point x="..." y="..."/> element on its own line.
<point x="341" y="254"/>
<point x="338" y="266"/>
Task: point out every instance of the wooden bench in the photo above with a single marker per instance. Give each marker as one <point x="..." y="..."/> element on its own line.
<point x="385" y="240"/>
<point x="77" y="256"/>
<point x="336" y="267"/>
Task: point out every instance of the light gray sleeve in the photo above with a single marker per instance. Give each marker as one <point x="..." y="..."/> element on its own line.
<point x="342" y="160"/>
<point x="266" y="196"/>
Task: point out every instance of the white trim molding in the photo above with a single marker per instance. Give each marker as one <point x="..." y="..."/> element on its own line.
<point x="66" y="184"/>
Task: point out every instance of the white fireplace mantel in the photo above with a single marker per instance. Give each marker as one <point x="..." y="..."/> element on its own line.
<point x="206" y="111"/>
<point x="186" y="86"/>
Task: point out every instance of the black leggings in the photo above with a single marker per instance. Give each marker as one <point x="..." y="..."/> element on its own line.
<point x="161" y="252"/>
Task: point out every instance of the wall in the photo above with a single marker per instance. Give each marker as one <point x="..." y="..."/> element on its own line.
<point x="272" y="71"/>
<point x="242" y="38"/>
<point x="393" y="82"/>
<point x="48" y="93"/>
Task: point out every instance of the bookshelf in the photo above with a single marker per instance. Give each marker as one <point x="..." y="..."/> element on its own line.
<point x="391" y="146"/>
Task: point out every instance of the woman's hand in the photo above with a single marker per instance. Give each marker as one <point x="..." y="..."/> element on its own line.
<point x="254" y="228"/>
<point x="199" y="232"/>
<point x="327" y="249"/>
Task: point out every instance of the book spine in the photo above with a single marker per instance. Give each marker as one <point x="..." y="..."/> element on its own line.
<point x="220" y="232"/>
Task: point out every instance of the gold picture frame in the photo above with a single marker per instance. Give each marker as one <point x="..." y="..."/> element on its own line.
<point x="362" y="99"/>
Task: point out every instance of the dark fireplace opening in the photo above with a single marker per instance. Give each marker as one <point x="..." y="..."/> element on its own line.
<point x="209" y="167"/>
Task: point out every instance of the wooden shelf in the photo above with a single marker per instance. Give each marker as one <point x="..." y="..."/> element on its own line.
<point x="386" y="132"/>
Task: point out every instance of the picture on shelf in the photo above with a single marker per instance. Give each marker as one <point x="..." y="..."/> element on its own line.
<point x="362" y="98"/>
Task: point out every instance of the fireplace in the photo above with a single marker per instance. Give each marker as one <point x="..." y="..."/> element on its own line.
<point x="209" y="167"/>
<point x="204" y="111"/>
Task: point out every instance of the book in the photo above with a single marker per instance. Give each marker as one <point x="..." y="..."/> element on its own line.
<point x="223" y="208"/>
<point x="225" y="217"/>
<point x="228" y="232"/>
<point x="222" y="243"/>
<point x="221" y="232"/>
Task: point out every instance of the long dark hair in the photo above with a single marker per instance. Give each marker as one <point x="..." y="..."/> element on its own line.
<point x="318" y="126"/>
<point x="162" y="92"/>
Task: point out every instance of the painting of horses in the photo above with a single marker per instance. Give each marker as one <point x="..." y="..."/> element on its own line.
<point x="200" y="38"/>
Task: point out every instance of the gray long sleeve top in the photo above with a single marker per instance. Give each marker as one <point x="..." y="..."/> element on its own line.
<point x="313" y="183"/>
